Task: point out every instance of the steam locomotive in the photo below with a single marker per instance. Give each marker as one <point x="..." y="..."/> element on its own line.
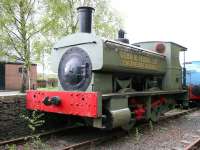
<point x="111" y="83"/>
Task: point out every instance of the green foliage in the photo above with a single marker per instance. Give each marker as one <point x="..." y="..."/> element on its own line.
<point x="2" y="53"/>
<point x="137" y="135"/>
<point x="18" y="26"/>
<point x="151" y="125"/>
<point x="38" y="144"/>
<point x="35" y="120"/>
<point x="48" y="88"/>
<point x="35" y="143"/>
<point x="60" y="19"/>
<point x="28" y="28"/>
<point x="26" y="146"/>
<point x="23" y="88"/>
<point x="12" y="147"/>
<point x="61" y="16"/>
<point x="107" y="21"/>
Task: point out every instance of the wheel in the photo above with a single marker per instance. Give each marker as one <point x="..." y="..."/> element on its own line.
<point x="155" y="115"/>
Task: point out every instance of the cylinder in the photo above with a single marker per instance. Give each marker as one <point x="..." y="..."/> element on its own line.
<point x="120" y="117"/>
<point x="85" y="19"/>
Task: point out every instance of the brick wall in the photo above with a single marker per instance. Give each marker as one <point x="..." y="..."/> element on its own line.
<point x="11" y="125"/>
<point x="13" y="78"/>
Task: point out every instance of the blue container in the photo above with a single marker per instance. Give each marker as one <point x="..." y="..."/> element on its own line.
<point x="193" y="73"/>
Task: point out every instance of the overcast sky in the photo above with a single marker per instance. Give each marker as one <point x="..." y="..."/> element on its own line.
<point x="166" y="20"/>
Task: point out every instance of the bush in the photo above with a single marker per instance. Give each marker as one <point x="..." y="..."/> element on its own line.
<point x="52" y="82"/>
<point x="41" y="83"/>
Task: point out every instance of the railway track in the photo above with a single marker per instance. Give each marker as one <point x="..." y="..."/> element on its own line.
<point x="177" y="114"/>
<point x="93" y="141"/>
<point x="26" y="138"/>
<point x="190" y="142"/>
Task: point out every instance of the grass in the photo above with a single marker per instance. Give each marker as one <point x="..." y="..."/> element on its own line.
<point x="151" y="125"/>
<point x="48" y="89"/>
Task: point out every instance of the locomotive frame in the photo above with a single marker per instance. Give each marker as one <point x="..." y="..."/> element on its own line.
<point x="141" y="81"/>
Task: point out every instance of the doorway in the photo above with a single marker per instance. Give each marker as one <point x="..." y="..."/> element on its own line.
<point x="2" y="76"/>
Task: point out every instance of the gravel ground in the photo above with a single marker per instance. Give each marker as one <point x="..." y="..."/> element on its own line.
<point x="162" y="136"/>
<point x="74" y="136"/>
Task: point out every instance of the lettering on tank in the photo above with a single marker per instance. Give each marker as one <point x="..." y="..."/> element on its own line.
<point x="137" y="60"/>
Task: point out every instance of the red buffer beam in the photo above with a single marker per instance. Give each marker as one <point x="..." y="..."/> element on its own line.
<point x="83" y="104"/>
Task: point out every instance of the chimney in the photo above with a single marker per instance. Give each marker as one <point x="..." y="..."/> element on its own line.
<point x="121" y="38"/>
<point x="121" y="34"/>
<point x="85" y="18"/>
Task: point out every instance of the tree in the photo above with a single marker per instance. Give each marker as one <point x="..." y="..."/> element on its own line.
<point x="107" y="21"/>
<point x="62" y="17"/>
<point x="18" y="25"/>
<point x="28" y="28"/>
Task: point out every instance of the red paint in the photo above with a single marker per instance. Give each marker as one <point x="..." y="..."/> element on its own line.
<point x="139" y="113"/>
<point x="160" y="48"/>
<point x="138" y="109"/>
<point x="191" y="96"/>
<point x="132" y="101"/>
<point x="83" y="104"/>
<point x="158" y="102"/>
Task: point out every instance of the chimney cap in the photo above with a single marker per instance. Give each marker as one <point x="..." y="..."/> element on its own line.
<point x="86" y="7"/>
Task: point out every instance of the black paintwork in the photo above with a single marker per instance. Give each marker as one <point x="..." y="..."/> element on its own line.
<point x="2" y="76"/>
<point x="85" y="19"/>
<point x="75" y="70"/>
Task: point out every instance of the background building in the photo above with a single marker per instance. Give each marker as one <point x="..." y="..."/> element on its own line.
<point x="11" y="75"/>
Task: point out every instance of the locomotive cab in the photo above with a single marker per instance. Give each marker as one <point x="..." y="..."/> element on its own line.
<point x="173" y="77"/>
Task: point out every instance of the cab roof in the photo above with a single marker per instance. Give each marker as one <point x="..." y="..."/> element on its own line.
<point x="182" y="47"/>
